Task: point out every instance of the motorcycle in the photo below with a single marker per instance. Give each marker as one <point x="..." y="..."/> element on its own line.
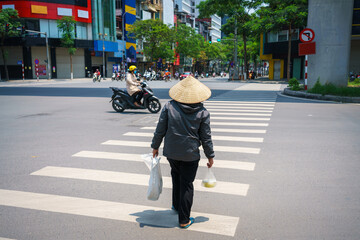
<point x="121" y="100"/>
<point x="96" y="77"/>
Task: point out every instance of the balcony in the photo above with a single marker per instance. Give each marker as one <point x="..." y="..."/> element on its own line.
<point x="151" y="6"/>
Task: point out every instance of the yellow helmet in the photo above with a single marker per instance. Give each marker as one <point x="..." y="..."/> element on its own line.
<point x="132" y="68"/>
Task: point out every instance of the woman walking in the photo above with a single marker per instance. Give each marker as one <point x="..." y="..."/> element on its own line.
<point x="185" y="124"/>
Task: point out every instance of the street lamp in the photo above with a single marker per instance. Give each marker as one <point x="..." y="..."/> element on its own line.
<point x="103" y="48"/>
<point x="123" y="38"/>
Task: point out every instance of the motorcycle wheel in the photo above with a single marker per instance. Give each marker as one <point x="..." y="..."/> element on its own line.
<point x="116" y="105"/>
<point x="154" y="105"/>
<point x="94" y="79"/>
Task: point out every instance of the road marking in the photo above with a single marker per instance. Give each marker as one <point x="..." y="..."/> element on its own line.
<point x="239" y="124"/>
<point x="230" y="188"/>
<point x="225" y="107"/>
<point x="222" y="130"/>
<point x="237" y="110"/>
<point x="236" y="102"/>
<point x="6" y="238"/>
<point x="216" y="148"/>
<point x="246" y="166"/>
<point x="241" y="118"/>
<point x="221" y="138"/>
<point x="240" y="104"/>
<point x="241" y="114"/>
<point x="139" y="214"/>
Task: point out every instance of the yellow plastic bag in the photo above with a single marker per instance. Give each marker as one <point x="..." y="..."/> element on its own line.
<point x="209" y="180"/>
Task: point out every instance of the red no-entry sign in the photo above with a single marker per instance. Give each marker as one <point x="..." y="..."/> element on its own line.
<point x="307" y="35"/>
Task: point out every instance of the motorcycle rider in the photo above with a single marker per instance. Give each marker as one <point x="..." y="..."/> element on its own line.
<point x="97" y="74"/>
<point x="132" y="86"/>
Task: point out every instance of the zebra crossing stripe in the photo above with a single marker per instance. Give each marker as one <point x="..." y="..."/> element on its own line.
<point x="237" y="110"/>
<point x="221" y="138"/>
<point x="246" y="166"/>
<point x="241" y="118"/>
<point x="241" y="114"/>
<point x="231" y="188"/>
<point x="139" y="214"/>
<point x="212" y="123"/>
<point x="234" y="107"/>
<point x="222" y="130"/>
<point x="216" y="148"/>
<point x="241" y="104"/>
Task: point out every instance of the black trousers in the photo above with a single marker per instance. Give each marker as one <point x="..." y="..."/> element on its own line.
<point x="183" y="175"/>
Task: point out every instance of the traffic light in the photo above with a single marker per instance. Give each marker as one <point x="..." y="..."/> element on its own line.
<point x="7" y="27"/>
<point x="210" y="38"/>
<point x="219" y="39"/>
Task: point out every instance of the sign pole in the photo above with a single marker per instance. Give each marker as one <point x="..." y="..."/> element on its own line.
<point x="22" y="69"/>
<point x="306" y="65"/>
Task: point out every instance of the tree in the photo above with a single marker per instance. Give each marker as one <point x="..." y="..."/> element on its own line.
<point x="283" y="14"/>
<point x="157" y="39"/>
<point x="67" y="26"/>
<point x="9" y="22"/>
<point x="238" y="11"/>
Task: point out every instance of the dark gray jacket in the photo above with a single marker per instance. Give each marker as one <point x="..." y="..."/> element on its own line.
<point x="185" y="127"/>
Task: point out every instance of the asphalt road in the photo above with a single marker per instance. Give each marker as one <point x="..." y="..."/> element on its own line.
<point x="71" y="169"/>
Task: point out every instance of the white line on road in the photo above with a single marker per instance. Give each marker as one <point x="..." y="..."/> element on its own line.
<point x="216" y="148"/>
<point x="241" y="114"/>
<point x="212" y="123"/>
<point x="230" y="130"/>
<point x="241" y="118"/>
<point x="237" y="110"/>
<point x="139" y="214"/>
<point x="233" y="107"/>
<point x="221" y="138"/>
<point x="246" y="166"/>
<point x="230" y="188"/>
<point x="240" y="104"/>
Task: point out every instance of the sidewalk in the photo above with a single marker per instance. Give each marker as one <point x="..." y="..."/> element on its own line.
<point x="42" y="81"/>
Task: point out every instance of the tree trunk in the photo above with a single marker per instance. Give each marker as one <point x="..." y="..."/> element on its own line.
<point x="71" y="67"/>
<point x="5" y="63"/>
<point x="289" y="54"/>
<point x="245" y="57"/>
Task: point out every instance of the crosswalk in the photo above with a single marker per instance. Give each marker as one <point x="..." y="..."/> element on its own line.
<point x="246" y="119"/>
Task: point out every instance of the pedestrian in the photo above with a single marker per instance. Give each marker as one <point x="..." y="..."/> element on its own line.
<point x="185" y="124"/>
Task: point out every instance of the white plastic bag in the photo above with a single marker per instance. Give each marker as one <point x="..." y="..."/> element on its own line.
<point x="209" y="180"/>
<point x="155" y="181"/>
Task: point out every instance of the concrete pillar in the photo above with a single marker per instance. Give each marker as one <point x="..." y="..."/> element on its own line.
<point x="331" y="21"/>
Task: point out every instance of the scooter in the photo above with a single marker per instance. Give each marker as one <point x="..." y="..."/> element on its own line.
<point x="121" y="100"/>
<point x="96" y="77"/>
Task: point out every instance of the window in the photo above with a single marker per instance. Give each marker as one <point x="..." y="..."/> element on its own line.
<point x="271" y="37"/>
<point x="356" y="3"/>
<point x="283" y="36"/>
<point x="117" y="4"/>
<point x="81" y="30"/>
<point x="356" y="30"/>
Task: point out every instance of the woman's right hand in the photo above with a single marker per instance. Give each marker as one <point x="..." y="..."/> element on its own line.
<point x="210" y="163"/>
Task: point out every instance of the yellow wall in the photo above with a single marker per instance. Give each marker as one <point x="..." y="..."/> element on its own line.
<point x="269" y="57"/>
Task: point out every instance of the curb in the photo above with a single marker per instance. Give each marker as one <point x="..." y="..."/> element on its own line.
<point x="334" y="98"/>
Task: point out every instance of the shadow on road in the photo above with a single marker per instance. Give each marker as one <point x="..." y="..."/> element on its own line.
<point x="161" y="219"/>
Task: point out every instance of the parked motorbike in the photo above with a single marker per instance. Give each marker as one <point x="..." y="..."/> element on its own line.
<point x="121" y="100"/>
<point x="96" y="77"/>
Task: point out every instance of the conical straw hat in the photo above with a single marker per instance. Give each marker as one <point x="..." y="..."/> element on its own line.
<point x="189" y="91"/>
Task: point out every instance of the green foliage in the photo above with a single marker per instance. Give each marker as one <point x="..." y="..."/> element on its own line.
<point x="294" y="84"/>
<point x="157" y="38"/>
<point x="188" y="42"/>
<point x="11" y="17"/>
<point x="331" y="89"/>
<point x="67" y="26"/>
<point x="355" y="83"/>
